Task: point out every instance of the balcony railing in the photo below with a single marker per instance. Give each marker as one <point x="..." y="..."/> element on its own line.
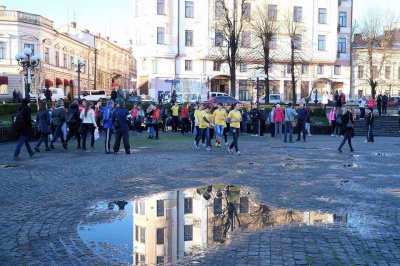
<point x="18" y="16"/>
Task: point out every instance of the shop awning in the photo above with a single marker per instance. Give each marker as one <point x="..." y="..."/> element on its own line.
<point x="48" y="83"/>
<point x="59" y="81"/>
<point x="66" y="82"/>
<point x="3" y="80"/>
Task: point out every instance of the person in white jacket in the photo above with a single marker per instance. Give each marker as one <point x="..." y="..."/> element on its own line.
<point x="88" y="124"/>
<point x="363" y="103"/>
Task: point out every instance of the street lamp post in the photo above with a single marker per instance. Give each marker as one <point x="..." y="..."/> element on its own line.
<point x="28" y="61"/>
<point x="258" y="75"/>
<point x="251" y="87"/>
<point x="80" y="63"/>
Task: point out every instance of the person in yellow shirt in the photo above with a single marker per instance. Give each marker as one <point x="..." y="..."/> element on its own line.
<point x="235" y="118"/>
<point x="197" y="111"/>
<point x="175" y="116"/>
<point x="219" y="121"/>
<point x="204" y="127"/>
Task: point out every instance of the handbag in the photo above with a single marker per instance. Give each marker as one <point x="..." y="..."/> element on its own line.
<point x="293" y="123"/>
<point x="350" y="125"/>
<point x="154" y="121"/>
<point x="148" y="121"/>
<point x="96" y="134"/>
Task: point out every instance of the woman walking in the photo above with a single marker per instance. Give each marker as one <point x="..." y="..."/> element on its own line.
<point x="332" y="119"/>
<point x="74" y="124"/>
<point x="44" y="126"/>
<point x="88" y="124"/>
<point x="348" y="125"/>
<point x="235" y="118"/>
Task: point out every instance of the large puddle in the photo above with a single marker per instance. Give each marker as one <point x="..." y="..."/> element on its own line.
<point x="167" y="226"/>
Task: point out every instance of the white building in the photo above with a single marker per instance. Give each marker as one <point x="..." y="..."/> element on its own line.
<point x="173" y="40"/>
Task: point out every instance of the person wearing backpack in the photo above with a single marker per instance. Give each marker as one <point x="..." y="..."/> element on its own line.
<point x="47" y="94"/>
<point x="73" y="123"/>
<point x="108" y="125"/>
<point x="24" y="111"/>
<point x="44" y="126"/>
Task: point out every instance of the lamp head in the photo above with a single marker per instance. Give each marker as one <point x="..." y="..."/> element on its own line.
<point x="27" y="51"/>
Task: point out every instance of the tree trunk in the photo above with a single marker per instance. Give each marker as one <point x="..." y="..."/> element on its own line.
<point x="292" y="75"/>
<point x="266" y="67"/>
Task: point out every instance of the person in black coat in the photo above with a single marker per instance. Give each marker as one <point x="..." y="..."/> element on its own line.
<point x="74" y="124"/>
<point x="25" y="131"/>
<point x="370" y="123"/>
<point x="44" y="126"/>
<point x="255" y="120"/>
<point x="122" y="128"/>
<point x="348" y="126"/>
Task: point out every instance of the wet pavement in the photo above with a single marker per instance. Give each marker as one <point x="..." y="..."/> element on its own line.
<point x="307" y="204"/>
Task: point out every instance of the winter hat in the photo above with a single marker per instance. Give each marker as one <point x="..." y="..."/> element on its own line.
<point x="25" y="101"/>
<point x="278" y="105"/>
<point x="289" y="104"/>
<point x="109" y="102"/>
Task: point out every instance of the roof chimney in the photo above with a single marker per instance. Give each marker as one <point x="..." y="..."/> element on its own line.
<point x="73" y="25"/>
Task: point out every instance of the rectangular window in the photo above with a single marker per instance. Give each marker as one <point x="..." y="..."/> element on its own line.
<point x="47" y="55"/>
<point x="142" y="235"/>
<point x="246" y="10"/>
<point x="321" y="42"/>
<point x="297" y="41"/>
<point x="219" y="38"/>
<point x="57" y="58"/>
<point x="217" y="66"/>
<point x="160" y="7"/>
<point x="322" y="15"/>
<point x="136" y="233"/>
<point x="160" y="236"/>
<point x="320" y="69"/>
<point x="188" y="233"/>
<point x="244" y="205"/>
<point x="160" y="35"/>
<point x="218" y="9"/>
<point x="31" y="46"/>
<point x="246" y="39"/>
<point x="304" y="69"/>
<point x="243" y="67"/>
<point x="298" y="14"/>
<point x="272" y="12"/>
<point x="72" y="60"/>
<point x="3" y="50"/>
<point x="288" y="69"/>
<point x="374" y="72"/>
<point x="160" y="259"/>
<point x="217" y="233"/>
<point x="142" y="258"/>
<point x="337" y="70"/>
<point x="189" y="38"/>
<point x="387" y="72"/>
<point x="360" y="72"/>
<point x="189" y="9"/>
<point x="217" y="205"/>
<point x="142" y="208"/>
<point x="160" y="208"/>
<point x="188" y="205"/>
<point x="65" y="64"/>
<point x="188" y="65"/>
<point x="342" y="45"/>
<point x="343" y="19"/>
<point x="136" y="207"/>
<point x="273" y="41"/>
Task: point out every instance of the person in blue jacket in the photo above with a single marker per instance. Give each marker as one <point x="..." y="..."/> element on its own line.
<point x="121" y="124"/>
<point x="108" y="125"/>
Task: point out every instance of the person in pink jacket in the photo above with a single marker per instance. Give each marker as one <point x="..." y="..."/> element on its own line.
<point x="332" y="120"/>
<point x="278" y="119"/>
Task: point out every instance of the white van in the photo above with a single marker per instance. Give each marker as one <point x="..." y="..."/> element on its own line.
<point x="56" y="94"/>
<point x="217" y="93"/>
<point x="95" y="95"/>
<point x="273" y="99"/>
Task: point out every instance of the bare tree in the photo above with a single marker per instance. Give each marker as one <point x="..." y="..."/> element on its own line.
<point x="377" y="33"/>
<point x="228" y="26"/>
<point x="293" y="27"/>
<point x="265" y="28"/>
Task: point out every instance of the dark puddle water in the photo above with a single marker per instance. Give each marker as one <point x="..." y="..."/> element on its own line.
<point x="167" y="226"/>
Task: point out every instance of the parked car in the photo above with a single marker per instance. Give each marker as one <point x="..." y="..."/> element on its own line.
<point x="222" y="99"/>
<point x="273" y="99"/>
<point x="141" y="99"/>
<point x="311" y="100"/>
<point x="56" y="94"/>
<point x="95" y="95"/>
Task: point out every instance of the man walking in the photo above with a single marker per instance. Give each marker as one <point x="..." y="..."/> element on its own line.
<point x="25" y="131"/>
<point x="121" y="127"/>
<point x="370" y="123"/>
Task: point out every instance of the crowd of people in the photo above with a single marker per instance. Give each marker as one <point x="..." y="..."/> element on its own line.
<point x="205" y="122"/>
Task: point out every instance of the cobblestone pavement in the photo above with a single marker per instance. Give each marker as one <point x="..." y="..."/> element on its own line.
<point x="44" y="198"/>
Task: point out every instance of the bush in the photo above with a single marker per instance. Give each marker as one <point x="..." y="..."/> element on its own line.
<point x="319" y="112"/>
<point x="10" y="108"/>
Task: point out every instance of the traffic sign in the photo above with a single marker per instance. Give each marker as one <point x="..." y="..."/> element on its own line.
<point x="173" y="81"/>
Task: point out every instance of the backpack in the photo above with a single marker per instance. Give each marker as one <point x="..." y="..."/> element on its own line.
<point x="47" y="93"/>
<point x="70" y="119"/>
<point x="18" y="122"/>
<point x="115" y="120"/>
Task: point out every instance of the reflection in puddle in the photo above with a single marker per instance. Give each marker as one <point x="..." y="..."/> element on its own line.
<point x="165" y="227"/>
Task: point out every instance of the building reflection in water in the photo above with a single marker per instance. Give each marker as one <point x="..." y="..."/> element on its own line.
<point x="170" y="225"/>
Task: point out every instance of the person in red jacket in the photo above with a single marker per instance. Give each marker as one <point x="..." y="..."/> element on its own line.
<point x="155" y="116"/>
<point x="278" y="120"/>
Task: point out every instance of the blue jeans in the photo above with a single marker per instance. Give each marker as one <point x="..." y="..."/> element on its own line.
<point x="244" y="126"/>
<point x="151" y="131"/>
<point x="206" y="132"/>
<point x="219" y="130"/>
<point x="43" y="137"/>
<point x="23" y="139"/>
<point x="288" y="129"/>
<point x="235" y="136"/>
<point x="58" y="133"/>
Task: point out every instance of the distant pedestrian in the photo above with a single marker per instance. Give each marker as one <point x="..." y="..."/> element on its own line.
<point x="88" y="124"/>
<point x="19" y="96"/>
<point x="25" y="132"/>
<point x="175" y="116"/>
<point x="122" y="130"/>
<point x="219" y="121"/>
<point x="58" y="116"/>
<point x="332" y="120"/>
<point x="302" y="115"/>
<point x="74" y="124"/>
<point x="370" y="123"/>
<point x="290" y="115"/>
<point x="44" y="126"/>
<point x="385" y="100"/>
<point x="308" y="122"/>
<point x="15" y="96"/>
<point x="160" y="98"/>
<point x="348" y="126"/>
<point x="362" y="105"/>
<point x="271" y="121"/>
<point x="379" y="104"/>
<point x="235" y="118"/>
<point x="108" y="125"/>
<point x="263" y="118"/>
<point x="278" y="120"/>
